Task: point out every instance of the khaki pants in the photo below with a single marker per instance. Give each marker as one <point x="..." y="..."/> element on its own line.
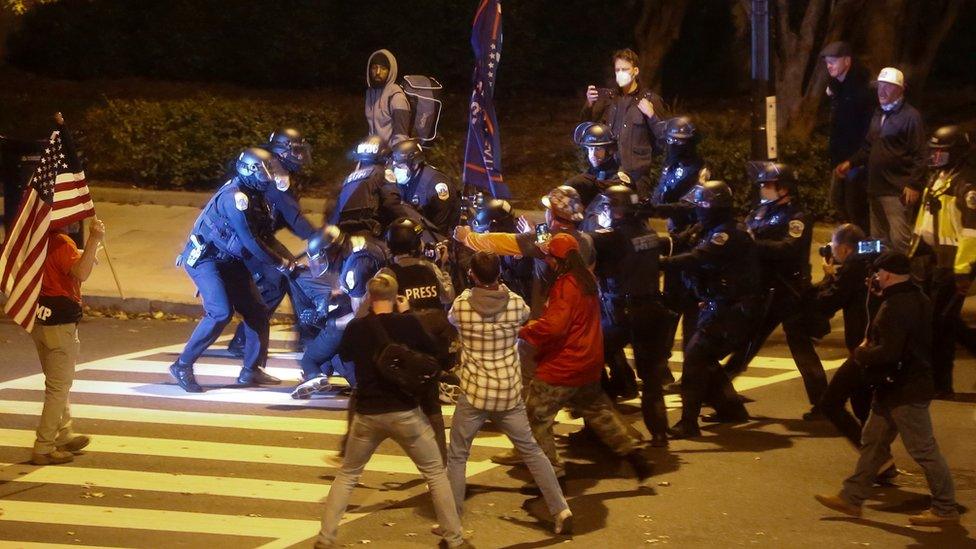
<point x="57" y="348"/>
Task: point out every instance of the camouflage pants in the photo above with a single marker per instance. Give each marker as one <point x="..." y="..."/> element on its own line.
<point x="543" y="401"/>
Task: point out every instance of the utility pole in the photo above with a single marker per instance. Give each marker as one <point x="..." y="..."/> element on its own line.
<point x="763" y="92"/>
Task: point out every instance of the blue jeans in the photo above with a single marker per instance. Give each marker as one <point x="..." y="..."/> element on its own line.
<point x="414" y="434"/>
<point x="914" y="424"/>
<point x="515" y="424"/>
<point x="320" y="356"/>
<point x="891" y="221"/>
<point x="226" y="286"/>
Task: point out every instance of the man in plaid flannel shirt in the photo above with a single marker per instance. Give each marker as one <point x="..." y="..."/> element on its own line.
<point x="488" y="318"/>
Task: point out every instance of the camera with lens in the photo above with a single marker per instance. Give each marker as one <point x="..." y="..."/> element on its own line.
<point x="470" y="204"/>
<point x="826" y="251"/>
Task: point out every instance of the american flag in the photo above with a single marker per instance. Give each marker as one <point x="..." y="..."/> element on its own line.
<point x="56" y="196"/>
<point x="482" y="154"/>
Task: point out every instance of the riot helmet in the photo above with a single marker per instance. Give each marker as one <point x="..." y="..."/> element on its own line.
<point x="681" y="137"/>
<point x="762" y="173"/>
<point x="371" y="150"/>
<point x="494" y="215"/>
<point x="620" y="200"/>
<point x="598" y="141"/>
<point x="948" y="147"/>
<point x="318" y="248"/>
<point x="403" y="236"/>
<point x="254" y="167"/>
<point x="290" y="147"/>
<point x="407" y="157"/>
<point x="713" y="202"/>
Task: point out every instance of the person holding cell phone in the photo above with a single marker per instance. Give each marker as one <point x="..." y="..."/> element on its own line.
<point x="635" y="116"/>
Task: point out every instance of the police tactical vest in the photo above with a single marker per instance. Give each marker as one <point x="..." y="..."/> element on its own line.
<point x="357" y="199"/>
<point x="633" y="269"/>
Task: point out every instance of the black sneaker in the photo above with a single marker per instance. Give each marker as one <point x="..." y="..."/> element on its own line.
<point x="725" y="418"/>
<point x="184" y="377"/>
<point x="814" y="415"/>
<point x="257" y="376"/>
<point x="642" y="467"/>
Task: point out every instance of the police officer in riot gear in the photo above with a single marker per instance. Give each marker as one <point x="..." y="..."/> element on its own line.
<point x="369" y="194"/>
<point x="627" y="267"/>
<point x="783" y="234"/>
<point x="943" y="247"/>
<point x="223" y="237"/>
<point x="341" y="262"/>
<point x="602" y="172"/>
<point x="683" y="169"/>
<point x="497" y="216"/>
<point x="723" y="265"/>
<point x="290" y="152"/>
<point x="425" y="187"/>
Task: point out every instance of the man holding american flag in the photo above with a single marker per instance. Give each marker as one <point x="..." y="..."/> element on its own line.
<point x="41" y="271"/>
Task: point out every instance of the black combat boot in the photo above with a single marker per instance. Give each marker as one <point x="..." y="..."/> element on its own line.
<point x="184" y="377"/>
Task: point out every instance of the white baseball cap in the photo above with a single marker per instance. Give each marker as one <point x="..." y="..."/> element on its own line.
<point x="892" y="75"/>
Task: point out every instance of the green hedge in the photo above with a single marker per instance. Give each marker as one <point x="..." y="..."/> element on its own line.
<point x="188" y="142"/>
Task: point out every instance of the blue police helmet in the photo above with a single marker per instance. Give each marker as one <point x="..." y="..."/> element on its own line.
<point x="254" y="168"/>
<point x="290" y="147"/>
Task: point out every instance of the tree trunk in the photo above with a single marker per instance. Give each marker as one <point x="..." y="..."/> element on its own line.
<point x="658" y="28"/>
<point x="794" y="49"/>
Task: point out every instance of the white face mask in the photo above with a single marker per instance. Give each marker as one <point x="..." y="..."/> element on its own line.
<point x="402" y="175"/>
<point x="624" y="78"/>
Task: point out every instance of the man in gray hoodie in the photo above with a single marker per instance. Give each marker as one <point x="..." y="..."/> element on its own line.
<point x="488" y="318"/>
<point x="387" y="107"/>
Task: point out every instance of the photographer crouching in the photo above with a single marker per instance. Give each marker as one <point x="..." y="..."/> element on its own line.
<point x="896" y="357"/>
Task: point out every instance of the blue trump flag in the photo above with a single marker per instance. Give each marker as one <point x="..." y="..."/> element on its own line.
<point x="482" y="154"/>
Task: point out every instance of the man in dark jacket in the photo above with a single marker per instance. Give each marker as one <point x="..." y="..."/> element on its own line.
<point x="851" y="105"/>
<point x="897" y="360"/>
<point x="634" y="114"/>
<point x="895" y="154"/>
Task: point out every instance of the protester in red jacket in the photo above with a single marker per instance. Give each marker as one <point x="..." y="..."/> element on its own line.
<point x="570" y="357"/>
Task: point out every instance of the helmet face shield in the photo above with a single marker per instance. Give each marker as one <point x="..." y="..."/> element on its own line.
<point x="696" y="196"/>
<point x="298" y="153"/>
<point x="938" y="157"/>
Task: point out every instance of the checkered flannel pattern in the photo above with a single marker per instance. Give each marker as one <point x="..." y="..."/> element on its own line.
<point x="490" y="373"/>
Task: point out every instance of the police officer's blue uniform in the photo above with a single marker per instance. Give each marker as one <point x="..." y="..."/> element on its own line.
<point x="223" y="237"/>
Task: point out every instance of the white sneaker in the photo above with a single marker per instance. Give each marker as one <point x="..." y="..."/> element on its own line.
<point x="563" y="522"/>
<point x="305" y="389"/>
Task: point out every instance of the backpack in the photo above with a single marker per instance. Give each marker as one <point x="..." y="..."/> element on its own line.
<point x="412" y="371"/>
<point x="424" y="95"/>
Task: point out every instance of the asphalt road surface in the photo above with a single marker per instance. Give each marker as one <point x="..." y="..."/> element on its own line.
<point x="246" y="467"/>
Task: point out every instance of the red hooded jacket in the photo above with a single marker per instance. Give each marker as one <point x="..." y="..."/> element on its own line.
<point x="568" y="336"/>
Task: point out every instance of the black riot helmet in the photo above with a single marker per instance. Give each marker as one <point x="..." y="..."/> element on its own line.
<point x="713" y="202"/>
<point x="763" y="172"/>
<point x="318" y="247"/>
<point x="680" y="131"/>
<point x="588" y="134"/>
<point x="371" y="150"/>
<point x="254" y="168"/>
<point x="621" y="200"/>
<point x="403" y="236"/>
<point x="948" y="147"/>
<point x="494" y="215"/>
<point x="290" y="147"/>
<point x="408" y="152"/>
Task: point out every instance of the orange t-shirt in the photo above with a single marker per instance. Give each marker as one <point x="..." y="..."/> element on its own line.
<point x="62" y="254"/>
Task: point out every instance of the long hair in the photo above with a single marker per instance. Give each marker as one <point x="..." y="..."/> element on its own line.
<point x="573" y="265"/>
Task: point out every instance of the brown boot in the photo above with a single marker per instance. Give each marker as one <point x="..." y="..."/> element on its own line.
<point x="56" y="457"/>
<point x="838" y="503"/>
<point x="931" y="518"/>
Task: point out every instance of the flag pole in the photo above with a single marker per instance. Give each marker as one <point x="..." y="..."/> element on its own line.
<point x="112" y="268"/>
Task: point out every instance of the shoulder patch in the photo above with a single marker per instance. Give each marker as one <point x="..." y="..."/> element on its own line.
<point x="357" y="242"/>
<point x="443" y="192"/>
<point x="719" y="239"/>
<point x="350" y="280"/>
<point x="796" y="228"/>
<point x="388" y="175"/>
<point x="971" y="200"/>
<point x="624" y="178"/>
<point x="240" y="201"/>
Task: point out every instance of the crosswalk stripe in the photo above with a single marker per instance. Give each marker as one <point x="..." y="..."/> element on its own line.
<point x="201" y="368"/>
<point x="227" y="451"/>
<point x="157" y="520"/>
<point x="36" y="545"/>
<point x="213" y="419"/>
<point x="166" y="482"/>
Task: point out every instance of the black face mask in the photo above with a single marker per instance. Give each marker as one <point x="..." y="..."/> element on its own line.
<point x="712" y="217"/>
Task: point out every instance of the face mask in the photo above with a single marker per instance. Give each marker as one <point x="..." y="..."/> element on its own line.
<point x="624" y="78"/>
<point x="402" y="175"/>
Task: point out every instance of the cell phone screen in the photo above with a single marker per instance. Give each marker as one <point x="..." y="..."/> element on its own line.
<point x="542" y="234"/>
<point x="869" y="247"/>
